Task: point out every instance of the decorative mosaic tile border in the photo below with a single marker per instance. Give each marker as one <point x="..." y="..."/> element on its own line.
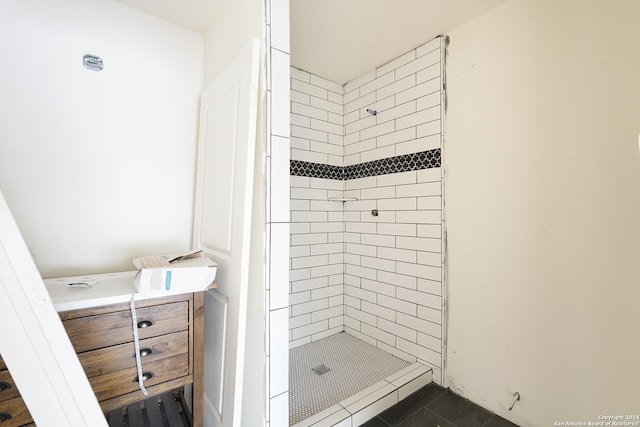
<point x="404" y="163"/>
<point x="315" y="170"/>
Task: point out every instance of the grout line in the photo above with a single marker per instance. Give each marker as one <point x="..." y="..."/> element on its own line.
<point x="279" y="50"/>
<point x="424" y="407"/>
<point x="489" y="420"/>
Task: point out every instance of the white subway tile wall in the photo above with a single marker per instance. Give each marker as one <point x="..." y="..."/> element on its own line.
<point x="371" y="266"/>
<point x="317" y="250"/>
<point x="278" y="140"/>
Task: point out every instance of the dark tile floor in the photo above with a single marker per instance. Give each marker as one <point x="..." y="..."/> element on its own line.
<point x="434" y="406"/>
<point x="165" y="410"/>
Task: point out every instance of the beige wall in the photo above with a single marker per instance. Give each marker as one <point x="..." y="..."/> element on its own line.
<point x="542" y="195"/>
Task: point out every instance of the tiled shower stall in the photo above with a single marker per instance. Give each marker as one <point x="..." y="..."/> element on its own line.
<point x="366" y="254"/>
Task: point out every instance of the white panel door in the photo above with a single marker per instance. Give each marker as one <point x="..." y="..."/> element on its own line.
<point x="34" y="343"/>
<point x="222" y="227"/>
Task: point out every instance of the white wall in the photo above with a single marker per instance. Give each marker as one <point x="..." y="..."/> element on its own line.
<point x="231" y="28"/>
<point x="542" y="196"/>
<point x="97" y="167"/>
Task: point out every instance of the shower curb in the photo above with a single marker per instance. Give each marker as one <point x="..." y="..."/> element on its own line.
<point x="373" y="400"/>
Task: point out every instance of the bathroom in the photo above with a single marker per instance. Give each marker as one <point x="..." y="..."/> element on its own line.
<point x="540" y="191"/>
<point x="515" y="204"/>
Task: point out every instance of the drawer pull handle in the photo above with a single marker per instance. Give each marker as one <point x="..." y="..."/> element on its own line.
<point x="145" y="376"/>
<point x="4" y="417"/>
<point x="144" y="352"/>
<point x="4" y="386"/>
<point x="145" y="324"/>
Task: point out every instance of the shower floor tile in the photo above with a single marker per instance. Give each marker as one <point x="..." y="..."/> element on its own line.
<point x="354" y="365"/>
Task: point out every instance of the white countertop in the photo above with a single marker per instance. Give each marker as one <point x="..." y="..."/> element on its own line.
<point x="71" y="293"/>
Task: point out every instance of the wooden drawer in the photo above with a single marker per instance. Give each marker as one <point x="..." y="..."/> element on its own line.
<point x="103" y="339"/>
<point x="116" y="358"/>
<point x="11" y="404"/>
<point x="16" y="410"/>
<point x="121" y="382"/>
<point x="103" y="330"/>
<point x="8" y="389"/>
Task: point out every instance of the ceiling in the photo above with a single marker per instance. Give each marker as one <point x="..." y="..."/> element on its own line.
<point x="342" y="39"/>
<point x="193" y="14"/>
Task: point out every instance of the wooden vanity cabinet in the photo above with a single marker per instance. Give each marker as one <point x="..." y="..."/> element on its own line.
<point x="170" y="333"/>
<point x="13" y="411"/>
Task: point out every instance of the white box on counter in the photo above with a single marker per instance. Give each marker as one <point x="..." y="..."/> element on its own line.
<point x="181" y="272"/>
